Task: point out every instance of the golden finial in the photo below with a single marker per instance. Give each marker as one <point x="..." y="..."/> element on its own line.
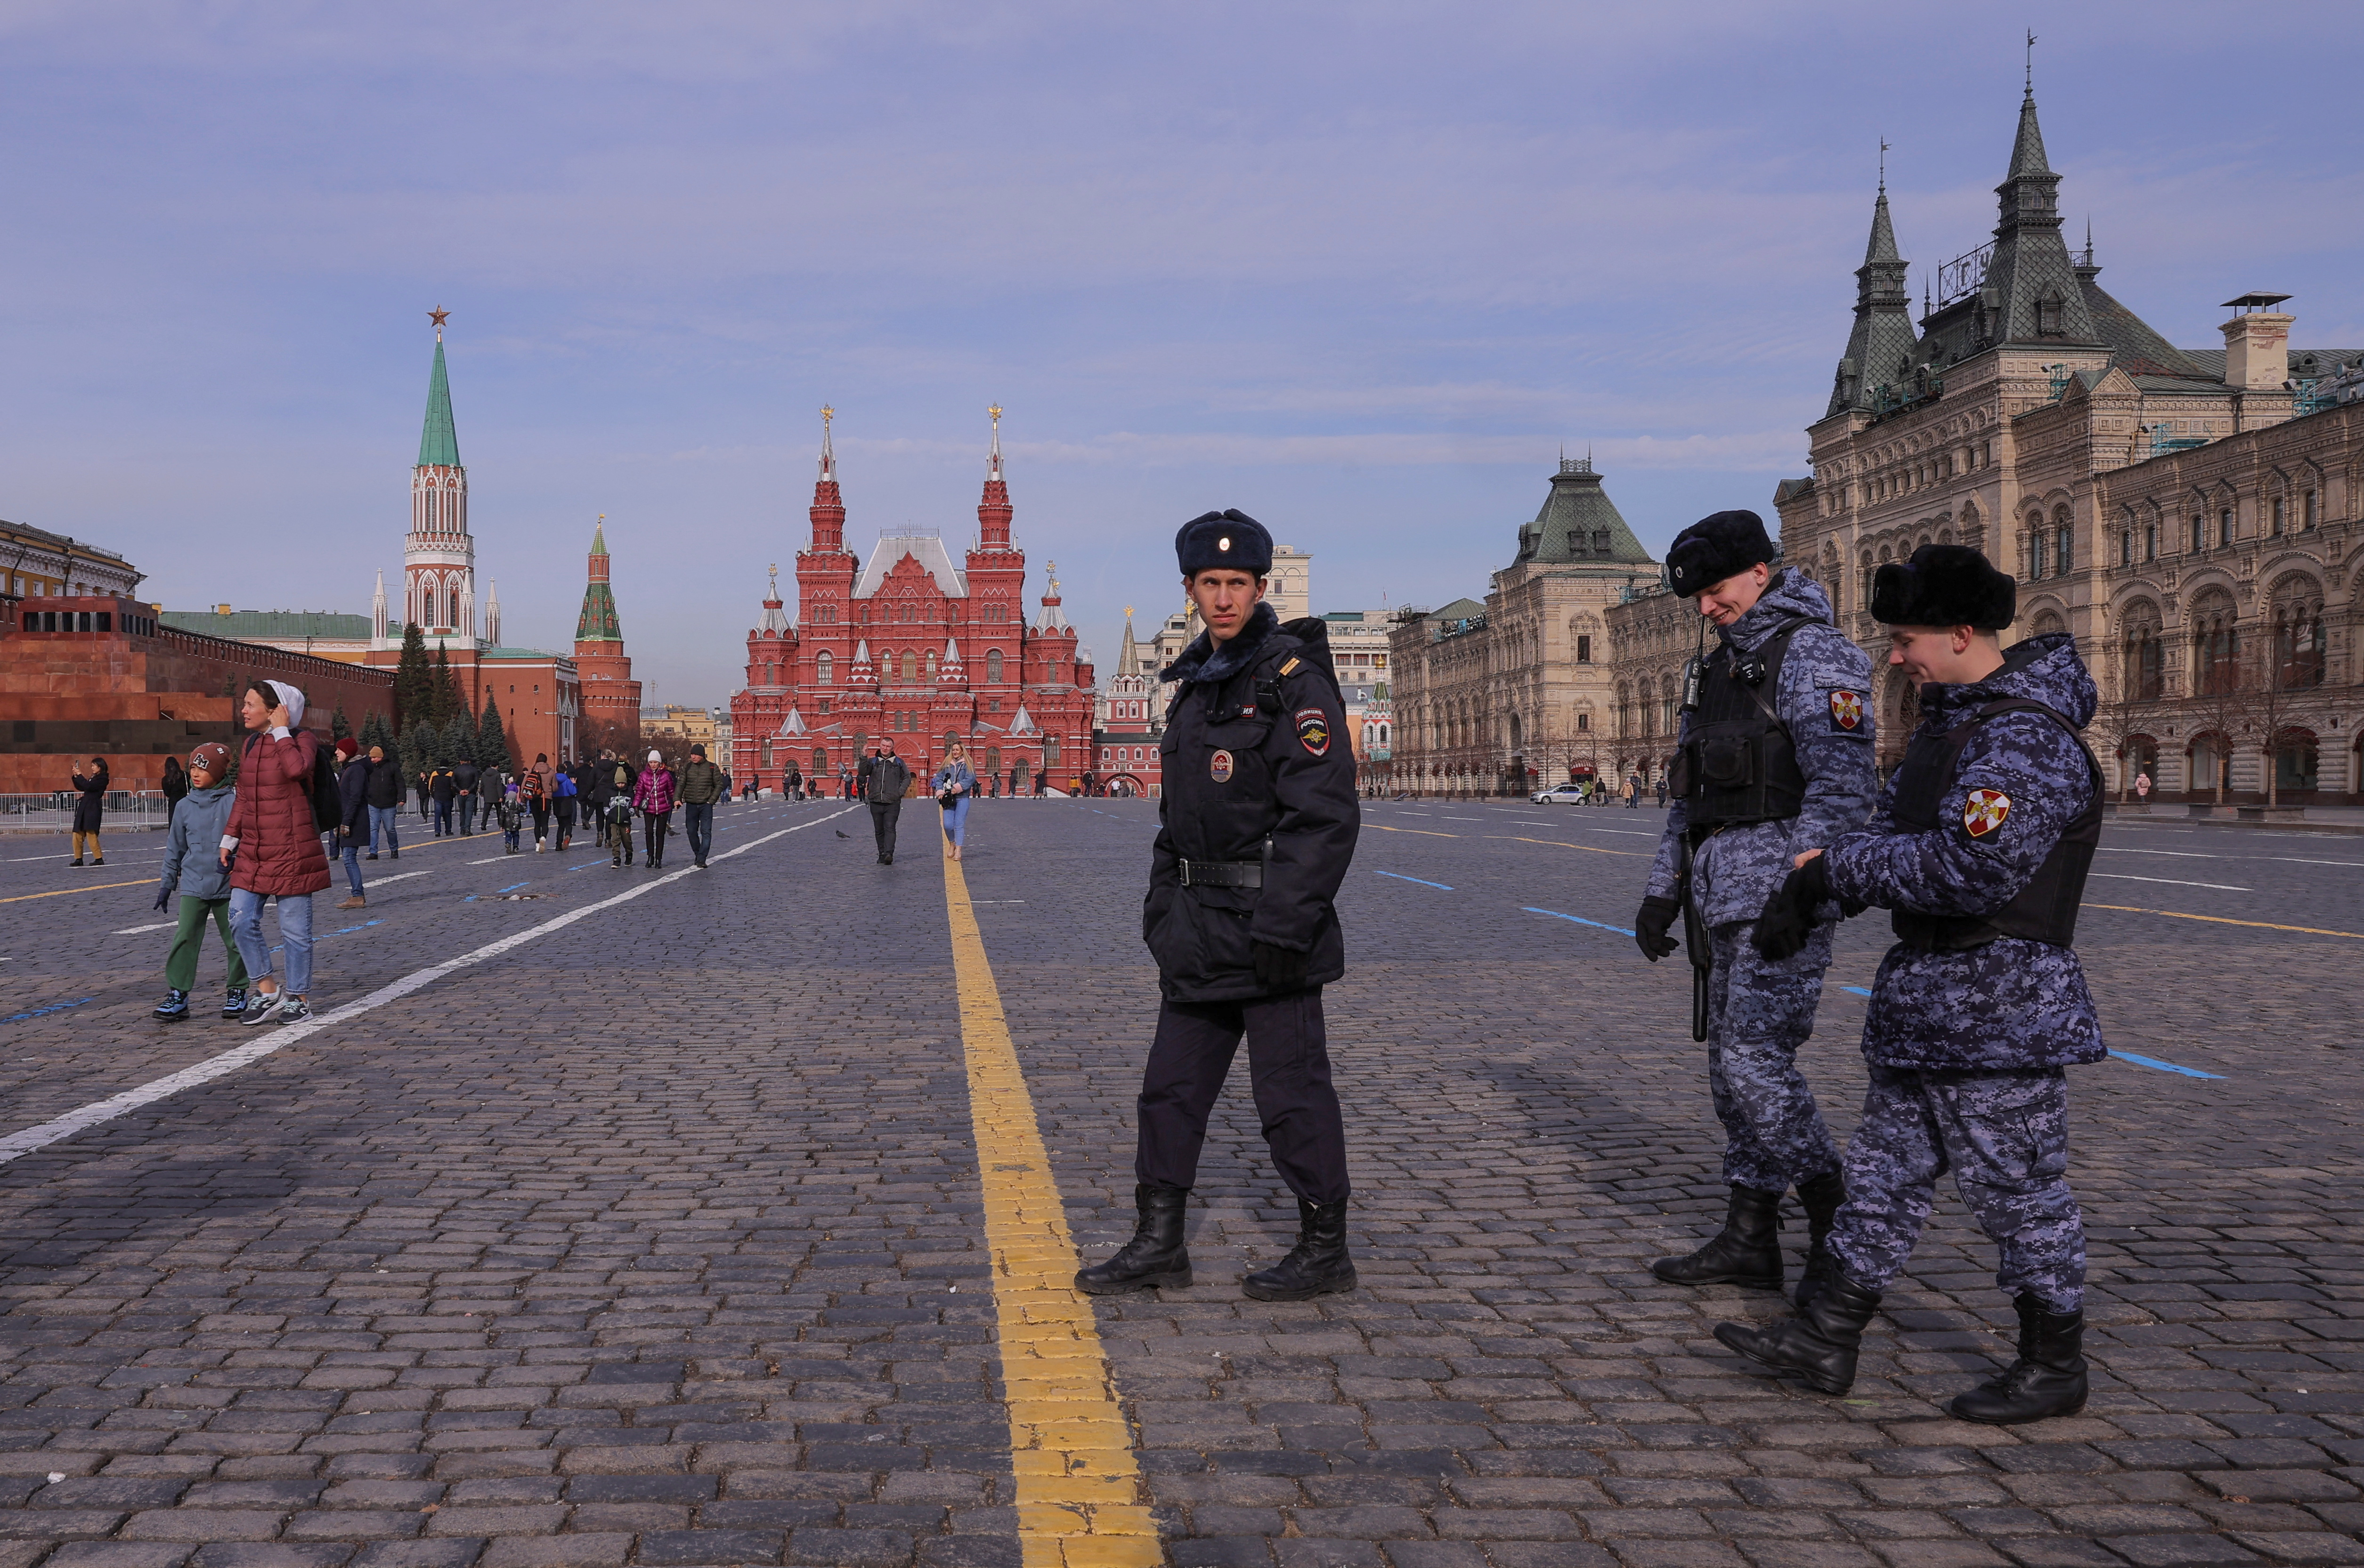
<point x="1128" y="612"/>
<point x="827" y="413"/>
<point x="438" y="315"/>
<point x="995" y="410"/>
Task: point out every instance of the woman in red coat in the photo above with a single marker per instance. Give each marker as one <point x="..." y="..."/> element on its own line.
<point x="273" y="847"/>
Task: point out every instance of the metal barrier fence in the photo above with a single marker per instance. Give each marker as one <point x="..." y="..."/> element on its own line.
<point x="127" y="811"/>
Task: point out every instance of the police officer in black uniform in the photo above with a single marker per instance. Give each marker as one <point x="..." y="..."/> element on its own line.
<point x="1259" y="820"/>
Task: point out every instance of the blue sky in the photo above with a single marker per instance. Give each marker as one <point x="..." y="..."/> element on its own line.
<point x="1356" y="269"/>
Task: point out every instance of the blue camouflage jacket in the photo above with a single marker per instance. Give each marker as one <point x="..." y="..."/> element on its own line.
<point x="2012" y="1002"/>
<point x="1737" y="870"/>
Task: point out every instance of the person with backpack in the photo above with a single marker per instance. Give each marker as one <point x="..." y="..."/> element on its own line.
<point x="564" y="797"/>
<point x="508" y="814"/>
<point x="272" y="845"/>
<point x="613" y="800"/>
<point x="533" y="791"/>
<point x="443" y="785"/>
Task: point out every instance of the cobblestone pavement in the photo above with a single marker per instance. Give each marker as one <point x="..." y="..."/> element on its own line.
<point x="658" y="1238"/>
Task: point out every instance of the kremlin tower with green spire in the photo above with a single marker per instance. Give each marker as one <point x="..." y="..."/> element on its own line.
<point x="611" y="698"/>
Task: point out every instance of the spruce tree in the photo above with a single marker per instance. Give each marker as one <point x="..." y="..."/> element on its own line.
<point x="492" y="741"/>
<point x="417" y="751"/>
<point x="443" y="689"/>
<point x="339" y="727"/>
<point x="375" y="733"/>
<point x="412" y="700"/>
<point x="458" y="741"/>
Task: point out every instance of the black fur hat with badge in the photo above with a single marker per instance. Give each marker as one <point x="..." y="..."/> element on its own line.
<point x="1720" y="545"/>
<point x="1230" y="539"/>
<point x="1943" y="585"/>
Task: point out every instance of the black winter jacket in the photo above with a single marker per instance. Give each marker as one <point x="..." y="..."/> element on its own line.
<point x="1257" y="767"/>
<point x="352" y="795"/>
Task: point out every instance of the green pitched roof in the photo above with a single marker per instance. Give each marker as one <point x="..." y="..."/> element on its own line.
<point x="598" y="623"/>
<point x="438" y="443"/>
<point x="1579" y="523"/>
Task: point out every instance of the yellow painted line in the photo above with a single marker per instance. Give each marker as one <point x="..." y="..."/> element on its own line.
<point x="1424" y="832"/>
<point x="2222" y="920"/>
<point x="93" y="887"/>
<point x="1078" y="1484"/>
<point x="1562" y="843"/>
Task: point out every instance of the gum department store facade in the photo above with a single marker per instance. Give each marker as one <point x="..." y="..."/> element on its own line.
<point x="2193" y="516"/>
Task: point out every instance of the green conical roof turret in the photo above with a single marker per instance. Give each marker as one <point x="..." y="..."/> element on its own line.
<point x="439" y="443"/>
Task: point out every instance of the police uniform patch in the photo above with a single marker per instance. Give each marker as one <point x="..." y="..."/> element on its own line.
<point x="1219" y="767"/>
<point x="1847" y="709"/>
<point x="1313" y="730"/>
<point x="1293" y="662"/>
<point x="1984" y="812"/>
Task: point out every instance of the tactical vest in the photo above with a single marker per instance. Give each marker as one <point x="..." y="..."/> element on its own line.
<point x="2046" y="909"/>
<point x="1738" y="762"/>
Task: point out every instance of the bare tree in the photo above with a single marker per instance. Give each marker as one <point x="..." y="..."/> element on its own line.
<point x="2280" y="692"/>
<point x="2220" y="703"/>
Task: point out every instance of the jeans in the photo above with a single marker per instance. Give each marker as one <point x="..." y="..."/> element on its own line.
<point x="352" y="848"/>
<point x="295" y="930"/>
<point x="443" y="817"/>
<point x="189" y="939"/>
<point x="510" y="836"/>
<point x="698" y="825"/>
<point x="956" y="821"/>
<point x="382" y="822"/>
<point x="467" y="815"/>
<point x="563" y="809"/>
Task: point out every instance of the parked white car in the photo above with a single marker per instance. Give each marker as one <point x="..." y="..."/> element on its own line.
<point x="1560" y="794"/>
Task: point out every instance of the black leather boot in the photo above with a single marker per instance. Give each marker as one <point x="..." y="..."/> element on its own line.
<point x="1317" y="1265"/>
<point x="1818" y="1346"/>
<point x="1155" y="1257"/>
<point x="1747" y="1251"/>
<point x="2049" y="1378"/>
<point x="1820" y="1197"/>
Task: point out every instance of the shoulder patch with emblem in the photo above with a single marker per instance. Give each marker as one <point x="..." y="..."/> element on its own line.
<point x="1984" y="812"/>
<point x="1847" y="709"/>
<point x="1313" y="730"/>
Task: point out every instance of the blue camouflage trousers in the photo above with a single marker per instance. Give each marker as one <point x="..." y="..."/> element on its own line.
<point x="1758" y="1014"/>
<point x="2005" y="1137"/>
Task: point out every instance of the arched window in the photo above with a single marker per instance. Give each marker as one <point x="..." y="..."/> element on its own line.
<point x="820" y="761"/>
<point x="2217" y="645"/>
<point x="993" y="664"/>
<point x="2299" y="638"/>
<point x="824" y="670"/>
<point x="911" y="666"/>
<point x="2145" y="674"/>
<point x="2063" y="542"/>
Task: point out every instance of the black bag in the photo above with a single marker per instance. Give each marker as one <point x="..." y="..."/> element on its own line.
<point x="327" y="800"/>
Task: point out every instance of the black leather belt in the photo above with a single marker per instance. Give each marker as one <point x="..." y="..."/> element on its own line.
<point x="1222" y="873"/>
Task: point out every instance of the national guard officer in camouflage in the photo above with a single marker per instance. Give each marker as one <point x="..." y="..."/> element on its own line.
<point x="1774" y="757"/>
<point x="1979" y="846"/>
<point x="1257" y="825"/>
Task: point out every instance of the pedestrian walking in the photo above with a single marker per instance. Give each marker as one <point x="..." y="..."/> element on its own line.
<point x="352" y="817"/>
<point x="384" y="803"/>
<point x="426" y="795"/>
<point x="1980" y="846"/>
<point x="271" y="847"/>
<point x="444" y="786"/>
<point x="564" y="797"/>
<point x="611" y="800"/>
<point x="1257" y="827"/>
<point x="653" y="797"/>
<point x="174" y="788"/>
<point x="1632" y="791"/>
<point x="793" y="785"/>
<point x="1773" y="757"/>
<point x="1662" y="791"/>
<point x="91" y="787"/>
<point x="467" y="778"/>
<point x="2142" y="788"/>
<point x="509" y="816"/>
<point x="533" y="794"/>
<point x="193" y="870"/>
<point x="701" y="787"/>
<point x="954" y="784"/>
<point x="886" y="778"/>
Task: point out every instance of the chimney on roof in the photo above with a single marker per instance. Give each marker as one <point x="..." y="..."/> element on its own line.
<point x="2257" y="342"/>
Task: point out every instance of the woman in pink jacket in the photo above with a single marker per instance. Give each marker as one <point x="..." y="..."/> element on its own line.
<point x="653" y="799"/>
<point x="271" y="847"/>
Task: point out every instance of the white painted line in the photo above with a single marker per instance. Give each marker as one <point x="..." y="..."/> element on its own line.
<point x="2196" y="855"/>
<point x="17" y="1144"/>
<point x="2219" y="886"/>
<point x="488" y="860"/>
<point x="370" y="882"/>
<point x="135" y="930"/>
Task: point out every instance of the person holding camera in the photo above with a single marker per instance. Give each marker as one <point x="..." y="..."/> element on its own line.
<point x="954" y="784"/>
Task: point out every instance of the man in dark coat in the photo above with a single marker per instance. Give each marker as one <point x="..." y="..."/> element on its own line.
<point x="886" y="778"/>
<point x="467" y="777"/>
<point x="1980" y="845"/>
<point x="1257" y="827"/>
<point x="91" y="788"/>
<point x="352" y="817"/>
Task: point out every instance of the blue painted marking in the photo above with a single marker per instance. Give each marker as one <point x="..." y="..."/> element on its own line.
<point x="1855" y="990"/>
<point x="1401" y="878"/>
<point x="1596" y="925"/>
<point x="587" y="865"/>
<point x="2163" y="1066"/>
<point x="52" y="1007"/>
<point x="510" y="888"/>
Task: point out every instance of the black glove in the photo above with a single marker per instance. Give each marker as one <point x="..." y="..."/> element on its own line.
<point x="1789" y="914"/>
<point x="164" y="893"/>
<point x="1278" y="970"/>
<point x="1650" y="927"/>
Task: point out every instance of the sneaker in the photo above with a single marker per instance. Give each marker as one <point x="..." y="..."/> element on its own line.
<point x="174" y="1006"/>
<point x="291" y="1009"/>
<point x="234" y="1001"/>
<point x="263" y="1005"/>
<point x="370" y="856"/>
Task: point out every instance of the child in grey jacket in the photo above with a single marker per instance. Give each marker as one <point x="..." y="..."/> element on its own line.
<point x="193" y="865"/>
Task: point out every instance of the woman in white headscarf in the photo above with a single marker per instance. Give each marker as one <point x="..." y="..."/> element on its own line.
<point x="273" y="848"/>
